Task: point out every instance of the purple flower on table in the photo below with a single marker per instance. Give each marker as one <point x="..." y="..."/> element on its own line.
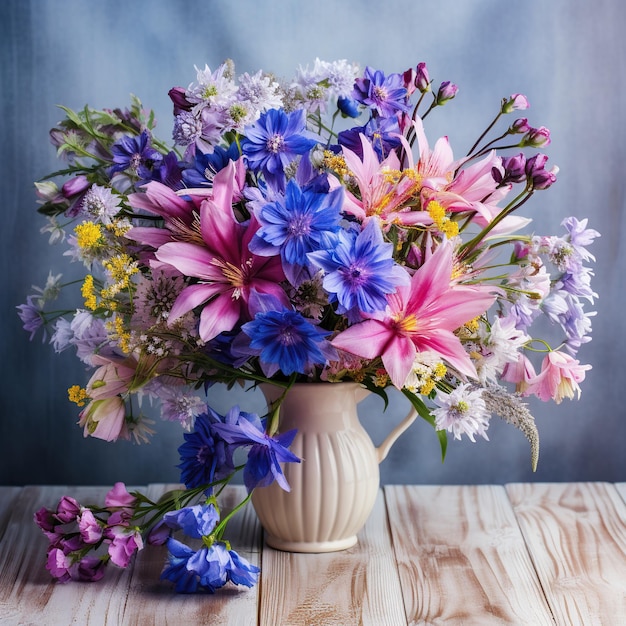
<point x="89" y="527"/>
<point x="124" y="543"/>
<point x="205" y="455"/>
<point x="360" y="271"/>
<point x="274" y="141"/>
<point x="387" y="95"/>
<point x="301" y="221"/>
<point x="265" y="453"/>
<point x="118" y="496"/>
<point x="135" y="154"/>
<point x="68" y="510"/>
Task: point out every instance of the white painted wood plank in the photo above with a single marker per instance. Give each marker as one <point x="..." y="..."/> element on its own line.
<point x="462" y="558"/>
<point x="621" y="489"/>
<point x="153" y="601"/>
<point x="576" y="533"/>
<point x="355" y="586"/>
<point x="28" y="594"/>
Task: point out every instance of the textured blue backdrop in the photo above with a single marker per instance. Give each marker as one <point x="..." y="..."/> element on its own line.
<point x="567" y="56"/>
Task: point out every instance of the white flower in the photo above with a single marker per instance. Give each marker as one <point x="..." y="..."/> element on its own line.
<point x="259" y="92"/>
<point x="462" y="412"/>
<point x="215" y="89"/>
<point x="101" y="203"/>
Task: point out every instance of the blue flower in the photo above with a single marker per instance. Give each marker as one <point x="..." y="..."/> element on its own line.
<point x="205" y="166"/>
<point x="274" y="141"/>
<point x="208" y="568"/>
<point x="135" y="154"/>
<point x="383" y="133"/>
<point x="348" y="107"/>
<point x="265" y="453"/>
<point x="385" y="95"/>
<point x="205" y="456"/>
<point x="360" y="271"/>
<point x="286" y="341"/>
<point x="302" y="221"/>
<point x="195" y="521"/>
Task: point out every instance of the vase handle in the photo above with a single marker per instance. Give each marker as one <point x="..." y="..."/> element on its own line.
<point x="383" y="449"/>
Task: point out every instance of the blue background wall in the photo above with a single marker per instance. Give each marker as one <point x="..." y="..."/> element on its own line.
<point x="567" y="56"/>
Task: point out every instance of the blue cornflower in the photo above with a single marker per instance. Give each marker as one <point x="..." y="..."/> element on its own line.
<point x="205" y="456"/>
<point x="195" y="521"/>
<point x="265" y="453"/>
<point x="208" y="568"/>
<point x="286" y="341"/>
<point x="348" y="107"/>
<point x="205" y="166"/>
<point x="274" y="141"/>
<point x="360" y="271"/>
<point x="383" y="133"/>
<point x="386" y="95"/>
<point x="302" y="221"/>
<point x="134" y="153"/>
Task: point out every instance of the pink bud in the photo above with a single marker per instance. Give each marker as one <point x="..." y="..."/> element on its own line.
<point x="422" y="80"/>
<point x="447" y="91"/>
<point x="75" y="186"/>
<point x="516" y="101"/>
<point x="536" y="137"/>
<point x="67" y="510"/>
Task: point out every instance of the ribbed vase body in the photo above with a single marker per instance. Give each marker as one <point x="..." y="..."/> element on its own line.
<point x="334" y="488"/>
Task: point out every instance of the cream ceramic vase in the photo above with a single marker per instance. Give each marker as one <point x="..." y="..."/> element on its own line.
<point x="334" y="488"/>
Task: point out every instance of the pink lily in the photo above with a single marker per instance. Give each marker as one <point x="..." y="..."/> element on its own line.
<point x="420" y="317"/>
<point x="380" y="197"/>
<point x="227" y="271"/>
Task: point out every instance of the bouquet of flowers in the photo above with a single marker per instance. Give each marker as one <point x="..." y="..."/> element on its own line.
<point x="295" y="231"/>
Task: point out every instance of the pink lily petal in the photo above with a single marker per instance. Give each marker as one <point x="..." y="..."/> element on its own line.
<point x="398" y="359"/>
<point x="218" y="316"/>
<point x="194" y="295"/>
<point x="190" y="259"/>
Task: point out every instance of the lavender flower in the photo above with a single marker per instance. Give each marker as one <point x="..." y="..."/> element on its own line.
<point x="384" y="94"/>
<point x="134" y="154"/>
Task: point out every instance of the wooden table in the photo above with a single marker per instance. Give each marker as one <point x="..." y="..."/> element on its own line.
<point x="515" y="554"/>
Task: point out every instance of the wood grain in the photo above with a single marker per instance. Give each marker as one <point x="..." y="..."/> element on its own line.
<point x="576" y="533"/>
<point x="153" y="601"/>
<point x="462" y="558"/>
<point x="355" y="586"/>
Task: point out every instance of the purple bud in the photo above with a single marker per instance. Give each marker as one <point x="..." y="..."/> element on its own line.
<point x="516" y="101"/>
<point x="75" y="186"/>
<point x="408" y="79"/>
<point x="520" y="125"/>
<point x="90" y="569"/>
<point x="536" y="137"/>
<point x="177" y="96"/>
<point x="447" y="91"/>
<point x="422" y="79"/>
<point x="67" y="510"/>
<point x="514" y="168"/>
<point x="159" y="534"/>
<point x="538" y="176"/>
<point x="45" y="519"/>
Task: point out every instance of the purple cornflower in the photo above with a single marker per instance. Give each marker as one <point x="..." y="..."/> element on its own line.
<point x="383" y="133"/>
<point x="284" y="340"/>
<point x="136" y="154"/>
<point x="205" y="165"/>
<point x="32" y="316"/>
<point x="205" y="456"/>
<point x="302" y="221"/>
<point x="274" y="141"/>
<point x="384" y="94"/>
<point x="360" y="271"/>
<point x="265" y="453"/>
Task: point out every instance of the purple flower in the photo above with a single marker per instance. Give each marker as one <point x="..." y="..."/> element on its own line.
<point x="274" y="141"/>
<point x="134" y="153"/>
<point x="360" y="271"/>
<point x="67" y="510"/>
<point x="580" y="236"/>
<point x="90" y="529"/>
<point x="536" y="137"/>
<point x="300" y="222"/>
<point x="265" y="454"/>
<point x="204" y="455"/>
<point x="32" y="316"/>
<point x="206" y="165"/>
<point x="515" y="102"/>
<point x="383" y="133"/>
<point x="384" y="94"/>
<point x="538" y="176"/>
<point x="124" y="542"/>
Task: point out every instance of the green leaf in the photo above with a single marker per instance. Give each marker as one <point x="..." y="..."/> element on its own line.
<point x="425" y="414"/>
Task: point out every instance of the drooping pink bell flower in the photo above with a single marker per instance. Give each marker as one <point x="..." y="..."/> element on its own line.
<point x="559" y="378"/>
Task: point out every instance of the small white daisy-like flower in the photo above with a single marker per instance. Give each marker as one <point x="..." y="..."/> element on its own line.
<point x="216" y="89"/>
<point x="259" y="91"/>
<point x="462" y="412"/>
<point x="101" y="203"/>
